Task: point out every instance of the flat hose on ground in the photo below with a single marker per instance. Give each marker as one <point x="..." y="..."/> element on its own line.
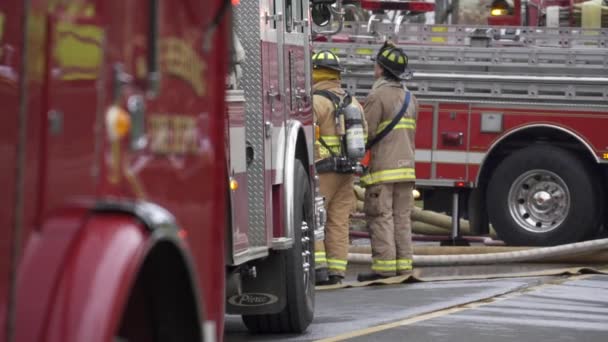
<point x="497" y="258"/>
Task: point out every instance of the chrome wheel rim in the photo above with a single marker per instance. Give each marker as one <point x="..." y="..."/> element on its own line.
<point x="539" y="201"/>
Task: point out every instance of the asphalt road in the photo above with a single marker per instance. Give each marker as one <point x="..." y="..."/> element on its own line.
<point x="549" y="308"/>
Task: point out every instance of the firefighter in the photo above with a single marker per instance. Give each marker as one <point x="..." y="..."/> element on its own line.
<point x="333" y="164"/>
<point x="389" y="178"/>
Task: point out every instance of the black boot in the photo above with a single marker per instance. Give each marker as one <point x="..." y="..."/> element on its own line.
<point x="332" y="280"/>
<point x="370" y="276"/>
<point x="321" y="275"/>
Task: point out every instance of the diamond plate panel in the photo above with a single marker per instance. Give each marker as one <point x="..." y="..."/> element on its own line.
<point x="247" y="27"/>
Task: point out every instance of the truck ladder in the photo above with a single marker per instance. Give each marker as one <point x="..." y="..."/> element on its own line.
<point x="483" y="63"/>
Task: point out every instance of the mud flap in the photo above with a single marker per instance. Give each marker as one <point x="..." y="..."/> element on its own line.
<point x="265" y="293"/>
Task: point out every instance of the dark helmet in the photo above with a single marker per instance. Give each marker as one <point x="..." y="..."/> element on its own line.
<point x="326" y="59"/>
<point x="392" y="59"/>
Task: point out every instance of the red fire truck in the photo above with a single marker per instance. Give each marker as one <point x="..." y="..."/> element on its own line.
<point x="510" y="124"/>
<point x="133" y="207"/>
<point x="553" y="13"/>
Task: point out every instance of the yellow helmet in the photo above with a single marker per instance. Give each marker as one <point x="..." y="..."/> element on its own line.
<point x="326" y="59"/>
<point x="392" y="59"/>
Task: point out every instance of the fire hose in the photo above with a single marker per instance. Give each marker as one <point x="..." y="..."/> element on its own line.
<point x="428" y="222"/>
<point x="424" y="222"/>
<point x="527" y="255"/>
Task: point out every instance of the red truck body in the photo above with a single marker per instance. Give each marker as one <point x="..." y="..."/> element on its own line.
<point x="85" y="216"/>
<point x="534" y="13"/>
<point x="508" y="124"/>
<point x="137" y="204"/>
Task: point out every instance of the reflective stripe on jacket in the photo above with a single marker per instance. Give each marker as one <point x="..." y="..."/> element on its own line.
<point x="333" y="142"/>
<point x="404" y="123"/>
<point x="389" y="176"/>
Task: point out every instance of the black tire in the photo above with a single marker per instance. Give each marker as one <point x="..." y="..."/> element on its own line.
<point x="543" y="196"/>
<point x="299" y="311"/>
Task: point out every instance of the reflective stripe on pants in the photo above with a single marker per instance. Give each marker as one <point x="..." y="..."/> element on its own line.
<point x="336" y="265"/>
<point x="384" y="266"/>
<point x="320" y="257"/>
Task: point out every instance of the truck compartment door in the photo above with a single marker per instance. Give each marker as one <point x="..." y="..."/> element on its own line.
<point x="450" y="156"/>
<point x="73" y="70"/>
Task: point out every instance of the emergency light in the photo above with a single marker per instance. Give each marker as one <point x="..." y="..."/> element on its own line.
<point x="500" y="7"/>
<point x="118" y="122"/>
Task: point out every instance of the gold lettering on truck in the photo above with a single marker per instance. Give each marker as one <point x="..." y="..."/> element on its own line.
<point x="78" y="51"/>
<point x="173" y="134"/>
<point x="178" y="58"/>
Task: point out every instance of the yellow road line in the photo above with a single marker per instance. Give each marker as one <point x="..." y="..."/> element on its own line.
<point x="383" y="327"/>
<point x="447" y="311"/>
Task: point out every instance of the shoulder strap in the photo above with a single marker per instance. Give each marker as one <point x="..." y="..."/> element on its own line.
<point x="335" y="99"/>
<point x="338" y="103"/>
<point x="392" y="124"/>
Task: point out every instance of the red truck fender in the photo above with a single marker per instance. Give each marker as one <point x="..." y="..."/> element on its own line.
<point x="114" y="271"/>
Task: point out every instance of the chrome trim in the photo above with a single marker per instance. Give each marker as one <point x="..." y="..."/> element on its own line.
<point x="439" y="183"/>
<point x="509" y="104"/>
<point x="235" y="95"/>
<point x="514" y="78"/>
<point x="320" y="212"/>
<point x="252" y="253"/>
<point x="319" y="234"/>
<point x="307" y="51"/>
<point x="282" y="243"/>
<point x="508" y="134"/>
<point x="293" y="127"/>
<point x="238" y="150"/>
<point x="448" y="157"/>
<point x="539" y="201"/>
<point x="280" y="29"/>
<point x="209" y="331"/>
<point x="320" y="217"/>
<point x="268" y="35"/>
<point x="278" y="153"/>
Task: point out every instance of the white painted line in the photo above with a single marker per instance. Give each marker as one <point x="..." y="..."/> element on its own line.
<point x="443" y="312"/>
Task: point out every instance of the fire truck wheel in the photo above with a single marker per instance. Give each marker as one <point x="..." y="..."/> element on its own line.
<point x="544" y="196"/>
<point x="298" y="312"/>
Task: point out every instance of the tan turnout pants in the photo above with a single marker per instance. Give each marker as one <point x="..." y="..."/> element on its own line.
<point x="388" y="207"/>
<point x="339" y="200"/>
